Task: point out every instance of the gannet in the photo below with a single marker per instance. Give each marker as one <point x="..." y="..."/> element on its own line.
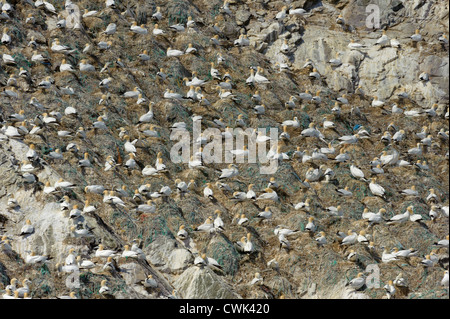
<point x="427" y="262"/>
<point x="443" y="135"/>
<point x="445" y="210"/>
<point x="223" y="187"/>
<point x="390" y="289"/>
<point x="259" y="78"/>
<point x="311" y="131"/>
<point x="239" y="196"/>
<point x="190" y="22"/>
<point x="400" y="281"/>
<point x="174" y="53"/>
<point x="208" y="192"/>
<point x="340" y="20"/>
<point x="88" y="208"/>
<point x="214" y="72"/>
<point x="182" y="187"/>
<point x="376" y="218"/>
<point x="395" y="43"/>
<point x="316" y="99"/>
<point x="104" y="253"/>
<point x="239" y="245"/>
<point x="306" y="205"/>
<point x="352" y="256"/>
<point x="386" y="138"/>
<point x="424" y="76"/>
<point x="398" y="136"/>
<point x="314" y="74"/>
<point x="150" y="282"/>
<point x="417" y="151"/>
<point x="383" y="40"/>
<point x="182" y="233"/>
<point x="405" y="253"/>
<point x="257" y="280"/>
<point x="357" y="172"/>
<point x="147" y="208"/>
<point x="256" y="97"/>
<point x="348" y="139"/>
<point x="104" y="289"/>
<point x="12" y="132"/>
<point x="65" y="204"/>
<point x="195" y="80"/>
<point x="362" y="237"/>
<point x="282" y="14"/>
<point x="265" y="215"/>
<point x="401" y="218"/>
<point x="190" y="49"/>
<point x="32" y="258"/>
<point x="177" y="27"/>
<point x="75" y="212"/>
<point x="157" y="15"/>
<point x="275" y="153"/>
<point x="30" y="18"/>
<point x="310" y="226"/>
<point x="49" y="189"/>
<point x="358" y="282"/>
<point x="443" y="243"/>
<point x="12" y="202"/>
<point x="295" y="123"/>
<point x="58" y="48"/>
<point x="105" y="82"/>
<point x="410" y="191"/>
<point x="376" y="189"/>
<point x="251" y="79"/>
<point x="355" y="46"/>
<point x="138" y="29"/>
<point x="242" y="41"/>
<point x="376" y="102"/>
<point x="80" y="233"/>
<point x="259" y="109"/>
<point x="350" y="239"/>
<point x="27" y="229"/>
<point x="444" y="281"/>
<point x="128" y="253"/>
<point x="305" y="96"/>
<point x="342" y="157"/>
<point x="207" y="226"/>
<point x="229" y="172"/>
<point x="12" y="285"/>
<point x="434" y="213"/>
<point x="431" y="111"/>
<point x="443" y="39"/>
<point x="285" y="47"/>
<point x="416" y="37"/>
<point x="25" y="289"/>
<point x="131" y="162"/>
<point x="215" y="40"/>
<point x="291" y="103"/>
<point x="218" y="223"/>
<point x="387" y="257"/>
<point x="378" y="170"/>
<point x="28" y="167"/>
<point x="6" y="38"/>
<point x="8" y="294"/>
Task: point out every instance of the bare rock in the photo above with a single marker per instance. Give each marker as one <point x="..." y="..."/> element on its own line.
<point x="203" y="283"/>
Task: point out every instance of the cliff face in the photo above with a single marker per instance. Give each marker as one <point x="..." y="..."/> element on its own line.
<point x="307" y="270"/>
